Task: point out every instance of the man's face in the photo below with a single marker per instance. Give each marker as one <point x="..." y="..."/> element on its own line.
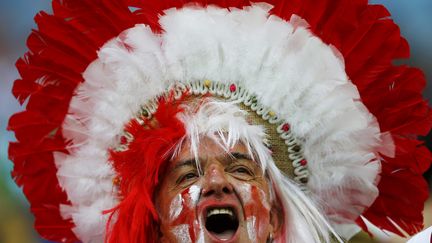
<point x="227" y="199"/>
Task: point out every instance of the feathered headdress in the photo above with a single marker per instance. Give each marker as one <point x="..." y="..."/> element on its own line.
<point x="319" y="72"/>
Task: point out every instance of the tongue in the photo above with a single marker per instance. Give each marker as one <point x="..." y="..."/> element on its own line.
<point x="225" y="235"/>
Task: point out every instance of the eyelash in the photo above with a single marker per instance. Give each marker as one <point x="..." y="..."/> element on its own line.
<point x="185" y="177"/>
<point x="246" y="170"/>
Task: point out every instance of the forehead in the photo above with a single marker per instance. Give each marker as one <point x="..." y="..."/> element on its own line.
<point x="207" y="148"/>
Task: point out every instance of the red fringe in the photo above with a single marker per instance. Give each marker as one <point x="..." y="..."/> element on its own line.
<point x="139" y="168"/>
<point x="68" y="40"/>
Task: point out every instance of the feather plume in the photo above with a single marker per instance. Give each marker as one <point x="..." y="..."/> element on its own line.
<point x="71" y="87"/>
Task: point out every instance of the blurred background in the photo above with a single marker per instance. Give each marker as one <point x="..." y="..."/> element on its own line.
<point x="16" y="21"/>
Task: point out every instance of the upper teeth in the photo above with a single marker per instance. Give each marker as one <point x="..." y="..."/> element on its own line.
<point x="216" y="211"/>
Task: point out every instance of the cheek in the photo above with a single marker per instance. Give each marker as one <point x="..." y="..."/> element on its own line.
<point x="182" y="223"/>
<point x="257" y="211"/>
<point x="184" y="204"/>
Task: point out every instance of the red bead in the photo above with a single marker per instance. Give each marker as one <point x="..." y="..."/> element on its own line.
<point x="286" y="127"/>
<point x="303" y="162"/>
<point x="233" y="87"/>
<point x="123" y="140"/>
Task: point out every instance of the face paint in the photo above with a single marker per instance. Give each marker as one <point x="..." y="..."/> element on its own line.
<point x="257" y="214"/>
<point x="250" y="224"/>
<point x="263" y="199"/>
<point x="183" y="216"/>
<point x="176" y="207"/>
<point x="244" y="191"/>
<point x="194" y="192"/>
<point x="201" y="235"/>
<point x="182" y="233"/>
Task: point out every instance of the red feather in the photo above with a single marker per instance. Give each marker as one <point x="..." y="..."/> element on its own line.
<point x="35" y="171"/>
<point x="59" y="51"/>
<point x="139" y="168"/>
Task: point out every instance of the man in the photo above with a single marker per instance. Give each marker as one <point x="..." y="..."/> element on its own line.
<point x="230" y="121"/>
<point x="227" y="198"/>
<point x="220" y="183"/>
<point x="217" y="181"/>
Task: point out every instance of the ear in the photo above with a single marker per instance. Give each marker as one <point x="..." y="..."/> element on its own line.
<point x="276" y="219"/>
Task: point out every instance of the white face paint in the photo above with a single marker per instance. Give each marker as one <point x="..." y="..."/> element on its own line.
<point x="182" y="233"/>
<point x="244" y="190"/>
<point x="176" y="207"/>
<point x="194" y="193"/>
<point x="250" y="224"/>
<point x="201" y="232"/>
<point x="263" y="199"/>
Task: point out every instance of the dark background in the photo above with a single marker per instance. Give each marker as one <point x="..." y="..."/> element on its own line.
<point x="16" y="20"/>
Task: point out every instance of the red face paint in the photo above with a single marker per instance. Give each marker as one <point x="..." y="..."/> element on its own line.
<point x="257" y="214"/>
<point x="183" y="213"/>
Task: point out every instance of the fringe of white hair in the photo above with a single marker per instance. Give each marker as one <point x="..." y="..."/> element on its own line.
<point x="290" y="70"/>
<point x="225" y="124"/>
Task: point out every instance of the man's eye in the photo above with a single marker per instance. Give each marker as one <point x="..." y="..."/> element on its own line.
<point x="188" y="176"/>
<point x="242" y="170"/>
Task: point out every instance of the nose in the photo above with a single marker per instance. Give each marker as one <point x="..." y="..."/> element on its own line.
<point x="215" y="182"/>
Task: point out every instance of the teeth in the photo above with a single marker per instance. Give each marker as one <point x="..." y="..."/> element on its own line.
<point x="217" y="211"/>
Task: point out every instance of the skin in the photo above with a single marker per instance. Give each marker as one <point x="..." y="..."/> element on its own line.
<point x="225" y="180"/>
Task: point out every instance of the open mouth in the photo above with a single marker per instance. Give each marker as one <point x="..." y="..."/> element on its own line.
<point x="222" y="223"/>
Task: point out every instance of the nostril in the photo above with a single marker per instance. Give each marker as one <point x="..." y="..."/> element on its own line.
<point x="207" y="193"/>
<point x="226" y="190"/>
<point x="223" y="190"/>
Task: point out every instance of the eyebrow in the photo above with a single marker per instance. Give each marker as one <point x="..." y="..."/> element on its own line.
<point x="189" y="162"/>
<point x="239" y="156"/>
